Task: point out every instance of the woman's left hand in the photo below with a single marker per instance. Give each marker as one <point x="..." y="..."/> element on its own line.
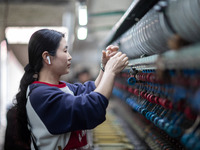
<point x="110" y="51"/>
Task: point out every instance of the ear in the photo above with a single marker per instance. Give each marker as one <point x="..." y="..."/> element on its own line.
<point x="45" y="56"/>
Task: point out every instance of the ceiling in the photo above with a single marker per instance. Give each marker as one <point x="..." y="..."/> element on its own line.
<point x="102" y="16"/>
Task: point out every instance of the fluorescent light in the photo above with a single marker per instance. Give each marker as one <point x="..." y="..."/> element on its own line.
<point x="82" y="15"/>
<point x="82" y="33"/>
<point x="21" y="35"/>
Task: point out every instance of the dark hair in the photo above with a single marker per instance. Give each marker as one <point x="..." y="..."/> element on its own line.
<point x="40" y="41"/>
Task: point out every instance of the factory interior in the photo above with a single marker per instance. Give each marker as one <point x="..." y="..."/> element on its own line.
<point x="155" y="101"/>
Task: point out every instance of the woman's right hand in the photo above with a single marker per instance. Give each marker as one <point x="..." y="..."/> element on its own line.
<point x="116" y="63"/>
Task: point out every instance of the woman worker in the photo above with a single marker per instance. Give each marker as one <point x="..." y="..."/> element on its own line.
<point x="56" y="114"/>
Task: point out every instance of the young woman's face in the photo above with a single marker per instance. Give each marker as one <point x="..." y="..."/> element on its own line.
<point x="62" y="59"/>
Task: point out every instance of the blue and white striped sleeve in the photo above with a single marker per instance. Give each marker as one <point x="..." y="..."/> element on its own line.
<point x="61" y="112"/>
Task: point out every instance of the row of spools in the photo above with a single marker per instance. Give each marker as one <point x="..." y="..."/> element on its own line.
<point x="166" y="21"/>
<point x="164" y="103"/>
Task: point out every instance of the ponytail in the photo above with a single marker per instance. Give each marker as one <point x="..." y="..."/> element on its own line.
<point x="21" y="100"/>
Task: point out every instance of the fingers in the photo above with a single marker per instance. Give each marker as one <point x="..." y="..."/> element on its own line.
<point x="126" y="63"/>
<point x="107" y="48"/>
<point x="112" y="54"/>
<point x="118" y="54"/>
<point x="122" y="56"/>
<point x="103" y="53"/>
<point x="108" y="52"/>
<point x="112" y="48"/>
<point x="111" y="51"/>
<point x="125" y="58"/>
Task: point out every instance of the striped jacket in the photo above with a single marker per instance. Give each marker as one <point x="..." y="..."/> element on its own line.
<point x="59" y="115"/>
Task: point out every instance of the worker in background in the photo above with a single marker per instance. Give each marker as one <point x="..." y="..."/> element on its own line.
<point x="83" y="75"/>
<point x="58" y="113"/>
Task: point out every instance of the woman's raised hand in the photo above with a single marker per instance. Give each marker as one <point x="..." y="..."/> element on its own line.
<point x="106" y="55"/>
<point x="116" y="63"/>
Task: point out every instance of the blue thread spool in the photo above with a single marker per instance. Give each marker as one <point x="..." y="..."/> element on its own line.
<point x="191" y="142"/>
<point x="148" y="114"/>
<point x="131" y="80"/>
<point x="186" y="137"/>
<point x="144" y="111"/>
<point x="174" y="131"/>
<point x="162" y="123"/>
<point x="156" y="121"/>
<point x="153" y="116"/>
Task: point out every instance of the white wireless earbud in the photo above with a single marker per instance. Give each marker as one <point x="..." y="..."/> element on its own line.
<point x="48" y="58"/>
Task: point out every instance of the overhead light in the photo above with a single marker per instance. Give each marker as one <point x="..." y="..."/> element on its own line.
<point x="21" y="35"/>
<point x="82" y="33"/>
<point x="82" y="14"/>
